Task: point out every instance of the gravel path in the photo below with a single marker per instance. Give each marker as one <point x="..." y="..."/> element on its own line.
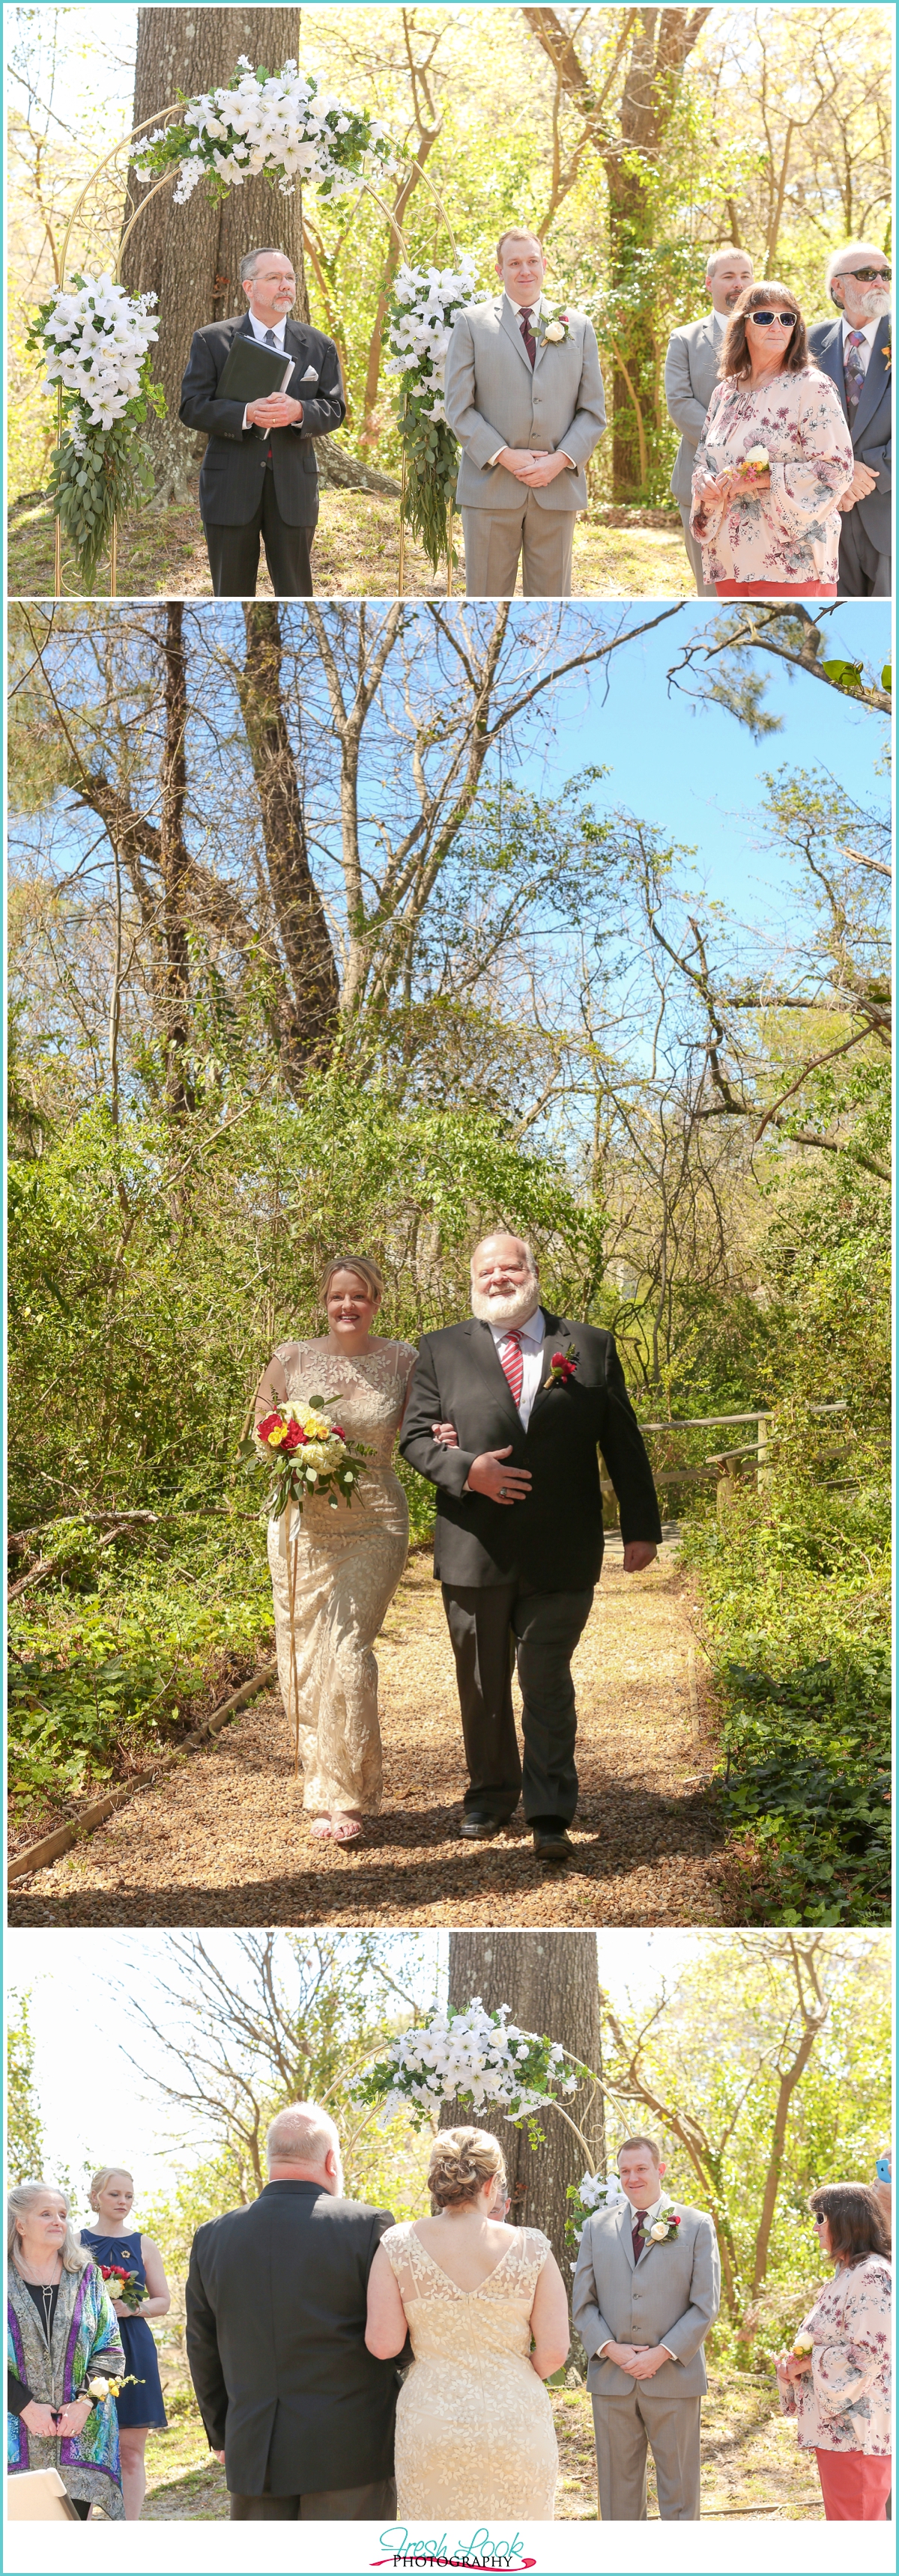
<point x="222" y="1839"/>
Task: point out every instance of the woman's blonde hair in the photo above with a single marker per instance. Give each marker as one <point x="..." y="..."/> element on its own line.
<point x="75" y="2257"/>
<point x="460" y="2163"/>
<point x="361" y="1267"/>
<point x="99" y="2180"/>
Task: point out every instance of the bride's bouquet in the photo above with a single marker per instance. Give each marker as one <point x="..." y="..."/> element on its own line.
<point x="477" y="2058"/>
<point x="308" y="1455"/>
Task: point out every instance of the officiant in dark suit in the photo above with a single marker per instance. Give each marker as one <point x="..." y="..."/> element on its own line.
<point x="293" y="2402"/>
<point x="259" y="476"/>
<point x="504" y="1415"/>
<point x="855" y="350"/>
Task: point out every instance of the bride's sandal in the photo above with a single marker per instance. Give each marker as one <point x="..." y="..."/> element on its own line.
<point x="321" y="1828"/>
<point x="346" y="1828"/>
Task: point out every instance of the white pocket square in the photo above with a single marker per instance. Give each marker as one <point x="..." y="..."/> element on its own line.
<point x="309" y="371"/>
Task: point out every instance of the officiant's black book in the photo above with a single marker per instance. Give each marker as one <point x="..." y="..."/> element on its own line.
<point x="251" y="371"/>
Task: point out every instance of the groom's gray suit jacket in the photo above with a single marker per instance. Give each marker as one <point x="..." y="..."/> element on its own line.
<point x="671" y="2296"/>
<point x="494" y="398"/>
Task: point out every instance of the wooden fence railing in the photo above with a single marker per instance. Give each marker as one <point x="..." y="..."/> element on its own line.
<point x="721" y="1463"/>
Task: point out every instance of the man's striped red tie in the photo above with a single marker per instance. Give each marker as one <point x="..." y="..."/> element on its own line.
<point x="512" y="1363"/>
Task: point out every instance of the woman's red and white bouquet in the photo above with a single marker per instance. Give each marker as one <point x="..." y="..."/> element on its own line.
<point x="309" y="1455"/>
<point x="127" y="2287"/>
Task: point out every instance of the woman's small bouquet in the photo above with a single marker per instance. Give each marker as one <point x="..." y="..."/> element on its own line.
<point x="309" y="1455"/>
<point x="99" y="2389"/>
<point x="801" y="2346"/>
<point x="756" y="462"/>
<point x="127" y="2287"/>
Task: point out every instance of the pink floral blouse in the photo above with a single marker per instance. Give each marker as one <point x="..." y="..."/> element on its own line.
<point x="792" y="533"/>
<point x="843" y="2402"/>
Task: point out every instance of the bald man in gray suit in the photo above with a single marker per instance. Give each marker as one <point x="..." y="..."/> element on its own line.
<point x="647" y="2287"/>
<point x="692" y="368"/>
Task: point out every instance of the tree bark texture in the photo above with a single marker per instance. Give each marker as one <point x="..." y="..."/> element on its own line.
<point x="190" y="256"/>
<point x="308" y="1033"/>
<point x="175" y="862"/>
<point x="551" y="1982"/>
<point x="660" y="41"/>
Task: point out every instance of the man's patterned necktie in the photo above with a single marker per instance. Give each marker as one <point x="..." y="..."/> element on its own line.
<point x="512" y="1363"/>
<point x="638" y="2240"/>
<point x="853" y="371"/>
<point x="270" y="340"/>
<point x="524" y="325"/>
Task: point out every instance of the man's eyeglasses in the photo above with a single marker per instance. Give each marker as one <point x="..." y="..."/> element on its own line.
<point x="763" y="316"/>
<point x="867" y="274"/>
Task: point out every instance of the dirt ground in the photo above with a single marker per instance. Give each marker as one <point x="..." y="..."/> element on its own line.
<point x="222" y="1838"/>
<point x="162" y="553"/>
<point x="751" y="2463"/>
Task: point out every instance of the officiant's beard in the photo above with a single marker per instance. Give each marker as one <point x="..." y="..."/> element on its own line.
<point x="508" y="1311"/>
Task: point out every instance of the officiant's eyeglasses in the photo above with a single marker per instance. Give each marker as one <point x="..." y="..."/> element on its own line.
<point x="866" y="273"/>
<point x="763" y="314"/>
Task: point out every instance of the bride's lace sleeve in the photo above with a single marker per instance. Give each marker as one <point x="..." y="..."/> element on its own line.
<point x="407" y="2259"/>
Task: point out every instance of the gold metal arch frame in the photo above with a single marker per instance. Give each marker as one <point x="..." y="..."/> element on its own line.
<point x="366" y="190"/>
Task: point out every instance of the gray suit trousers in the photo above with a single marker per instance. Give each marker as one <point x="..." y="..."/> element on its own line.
<point x="623" y="2427"/>
<point x="863" y="573"/>
<point x="494" y="540"/>
<point x="694" y="553"/>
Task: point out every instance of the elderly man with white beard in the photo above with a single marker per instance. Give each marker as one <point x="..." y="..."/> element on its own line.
<point x="855" y="351"/>
<point x="506" y="1413"/>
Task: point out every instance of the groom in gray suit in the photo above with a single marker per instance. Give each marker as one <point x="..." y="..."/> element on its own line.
<point x="646" y="2289"/>
<point x="691" y="374"/>
<point x="524" y="398"/>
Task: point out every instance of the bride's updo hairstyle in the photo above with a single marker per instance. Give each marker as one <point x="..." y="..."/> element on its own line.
<point x="360" y="1267"/>
<point x="461" y="2161"/>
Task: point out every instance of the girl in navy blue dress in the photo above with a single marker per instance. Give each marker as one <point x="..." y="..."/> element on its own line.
<point x="140" y="2410"/>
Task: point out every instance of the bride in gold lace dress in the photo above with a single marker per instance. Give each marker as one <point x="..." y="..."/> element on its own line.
<point x="349" y="1561"/>
<point x="474" y="2426"/>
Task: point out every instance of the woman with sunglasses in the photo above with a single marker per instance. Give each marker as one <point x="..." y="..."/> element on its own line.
<point x="770" y="529"/>
<point x="839" y="2388"/>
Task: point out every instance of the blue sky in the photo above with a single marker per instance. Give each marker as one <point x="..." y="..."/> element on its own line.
<point x="697" y="773"/>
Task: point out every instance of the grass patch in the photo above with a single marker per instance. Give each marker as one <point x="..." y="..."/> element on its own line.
<point x="162" y="553"/>
<point x="796" y="1607"/>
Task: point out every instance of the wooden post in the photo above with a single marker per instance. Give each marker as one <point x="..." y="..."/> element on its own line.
<point x="113" y="557"/>
<point x="763" y="1469"/>
<point x="449" y="553"/>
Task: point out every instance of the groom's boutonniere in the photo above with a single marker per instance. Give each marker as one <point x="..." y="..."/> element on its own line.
<point x="664" y="2228"/>
<point x="562" y="1366"/>
<point x="553" y="327"/>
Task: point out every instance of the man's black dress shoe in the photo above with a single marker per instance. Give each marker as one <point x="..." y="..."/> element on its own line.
<point x="551" y="1844"/>
<point x="480" y="1829"/>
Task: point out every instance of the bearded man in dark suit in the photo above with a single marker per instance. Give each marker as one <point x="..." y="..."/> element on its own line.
<point x="294" y="2404"/>
<point x="855" y="349"/>
<point x="259" y="477"/>
<point x="505" y="1414"/>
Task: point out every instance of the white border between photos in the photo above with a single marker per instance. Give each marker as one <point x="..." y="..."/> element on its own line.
<point x="558" y="2548"/>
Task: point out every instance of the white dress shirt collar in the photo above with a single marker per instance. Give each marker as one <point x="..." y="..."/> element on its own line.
<point x="648" y="2216"/>
<point x="534" y="1331"/>
<point x="868" y="329"/>
<point x="523" y="308"/>
<point x="259" y="329"/>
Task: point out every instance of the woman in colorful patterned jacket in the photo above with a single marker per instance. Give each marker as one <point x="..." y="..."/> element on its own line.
<point x="836" y="2379"/>
<point x="61" y="2335"/>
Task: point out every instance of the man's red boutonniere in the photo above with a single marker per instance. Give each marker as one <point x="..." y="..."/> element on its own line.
<point x="562" y="1366"/>
<point x="663" y="2229"/>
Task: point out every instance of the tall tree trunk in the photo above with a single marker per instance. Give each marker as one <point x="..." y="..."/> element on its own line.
<point x="308" y="1028"/>
<point x="551" y="1982"/>
<point x="190" y="256"/>
<point x="175" y="863"/>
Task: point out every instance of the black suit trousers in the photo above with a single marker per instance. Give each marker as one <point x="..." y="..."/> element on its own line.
<point x="493" y="1626"/>
<point x="234" y="552"/>
<point x="334" y="2504"/>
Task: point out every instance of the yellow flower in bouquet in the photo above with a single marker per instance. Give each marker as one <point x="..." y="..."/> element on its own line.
<point x="756" y="461"/>
<point x="803" y="2343"/>
<point x="310" y="1455"/>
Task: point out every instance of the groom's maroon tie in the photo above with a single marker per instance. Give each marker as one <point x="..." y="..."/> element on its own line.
<point x="524" y="325"/>
<point x="638" y="2240"/>
<point x="512" y="1363"/>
